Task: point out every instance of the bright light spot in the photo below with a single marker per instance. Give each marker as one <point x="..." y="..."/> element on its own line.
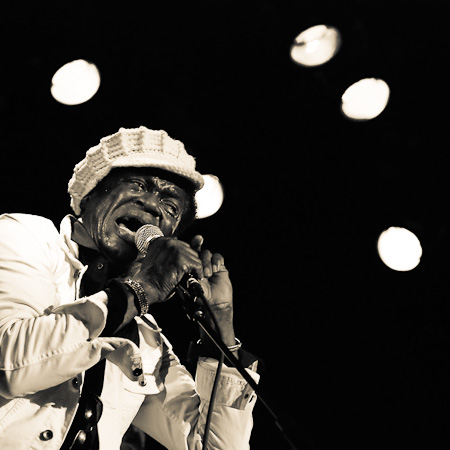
<point x="210" y="197"/>
<point x="316" y="45"/>
<point x="365" y="99"/>
<point x="75" y="82"/>
<point x="399" y="249"/>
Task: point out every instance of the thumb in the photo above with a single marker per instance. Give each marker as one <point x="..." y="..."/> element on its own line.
<point x="197" y="242"/>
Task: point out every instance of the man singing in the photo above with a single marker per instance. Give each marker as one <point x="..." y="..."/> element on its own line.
<point x="81" y="358"/>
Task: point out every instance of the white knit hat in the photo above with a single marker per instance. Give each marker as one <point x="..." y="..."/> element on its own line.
<point x="135" y="147"/>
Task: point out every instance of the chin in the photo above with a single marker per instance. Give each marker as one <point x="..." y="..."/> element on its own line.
<point x="121" y="255"/>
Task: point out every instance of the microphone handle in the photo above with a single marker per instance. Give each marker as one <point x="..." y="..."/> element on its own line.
<point x="189" y="284"/>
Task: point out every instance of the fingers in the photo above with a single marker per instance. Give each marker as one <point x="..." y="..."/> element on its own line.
<point x="212" y="263"/>
<point x="218" y="262"/>
<point x="197" y="242"/>
<point x="190" y="261"/>
<point x="174" y="256"/>
<point x="191" y="258"/>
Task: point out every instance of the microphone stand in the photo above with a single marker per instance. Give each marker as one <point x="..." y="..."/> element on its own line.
<point x="195" y="312"/>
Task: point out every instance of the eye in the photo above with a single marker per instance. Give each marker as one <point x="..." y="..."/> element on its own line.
<point x="171" y="208"/>
<point x="138" y="186"/>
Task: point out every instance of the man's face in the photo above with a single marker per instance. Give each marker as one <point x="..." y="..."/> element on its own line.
<point x="127" y="199"/>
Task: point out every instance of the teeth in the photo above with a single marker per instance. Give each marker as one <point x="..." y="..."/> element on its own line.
<point x="123" y="227"/>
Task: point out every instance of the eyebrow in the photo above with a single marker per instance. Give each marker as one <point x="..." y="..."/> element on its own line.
<point x="164" y="186"/>
<point x="168" y="187"/>
<point x="174" y="192"/>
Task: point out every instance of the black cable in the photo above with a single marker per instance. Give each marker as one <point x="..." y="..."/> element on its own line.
<point x="195" y="311"/>
<point x="190" y="297"/>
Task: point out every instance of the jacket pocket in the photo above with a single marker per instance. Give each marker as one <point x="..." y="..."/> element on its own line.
<point x="146" y="384"/>
<point x="8" y="410"/>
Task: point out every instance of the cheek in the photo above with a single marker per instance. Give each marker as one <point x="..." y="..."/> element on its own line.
<point x="105" y="236"/>
<point x="105" y="227"/>
<point x="169" y="226"/>
<point x="102" y="219"/>
<point x="113" y="247"/>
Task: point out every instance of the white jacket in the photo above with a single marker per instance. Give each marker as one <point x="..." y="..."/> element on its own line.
<point x="49" y="337"/>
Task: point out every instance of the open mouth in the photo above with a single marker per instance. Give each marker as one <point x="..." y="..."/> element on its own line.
<point x="129" y="223"/>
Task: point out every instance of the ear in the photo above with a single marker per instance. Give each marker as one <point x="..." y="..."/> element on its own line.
<point x="84" y="201"/>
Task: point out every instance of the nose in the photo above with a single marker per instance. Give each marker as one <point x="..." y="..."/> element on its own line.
<point x="150" y="203"/>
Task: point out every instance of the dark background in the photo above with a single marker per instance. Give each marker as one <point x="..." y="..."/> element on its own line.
<point x="356" y="354"/>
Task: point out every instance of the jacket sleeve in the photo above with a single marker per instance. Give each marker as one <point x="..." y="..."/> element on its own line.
<point x="176" y="417"/>
<point x="40" y="348"/>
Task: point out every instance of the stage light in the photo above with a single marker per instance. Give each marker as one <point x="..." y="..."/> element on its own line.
<point x="76" y="82"/>
<point x="365" y="99"/>
<point x="316" y="45"/>
<point x="210" y="197"/>
<point x="399" y="249"/>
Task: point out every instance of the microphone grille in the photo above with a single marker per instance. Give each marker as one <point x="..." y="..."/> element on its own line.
<point x="145" y="235"/>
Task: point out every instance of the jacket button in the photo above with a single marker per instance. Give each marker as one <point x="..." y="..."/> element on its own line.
<point x="46" y="435"/>
<point x="137" y="372"/>
<point x="75" y="383"/>
<point x="81" y="437"/>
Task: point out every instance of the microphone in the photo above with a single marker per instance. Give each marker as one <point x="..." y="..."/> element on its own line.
<point x="144" y="237"/>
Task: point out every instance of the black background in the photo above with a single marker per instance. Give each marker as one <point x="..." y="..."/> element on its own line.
<point x="356" y="354"/>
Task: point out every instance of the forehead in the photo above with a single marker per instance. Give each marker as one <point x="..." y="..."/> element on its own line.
<point x="155" y="177"/>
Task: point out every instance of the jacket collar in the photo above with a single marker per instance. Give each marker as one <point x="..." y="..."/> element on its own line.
<point x="80" y="235"/>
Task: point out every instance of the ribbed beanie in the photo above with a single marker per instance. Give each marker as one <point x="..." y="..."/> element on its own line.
<point x="134" y="147"/>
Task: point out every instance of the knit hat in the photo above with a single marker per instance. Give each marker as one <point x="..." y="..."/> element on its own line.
<point x="135" y="147"/>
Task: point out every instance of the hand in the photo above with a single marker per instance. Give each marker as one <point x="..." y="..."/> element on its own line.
<point x="216" y="281"/>
<point x="163" y="266"/>
<point x="217" y="288"/>
<point x="166" y="262"/>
